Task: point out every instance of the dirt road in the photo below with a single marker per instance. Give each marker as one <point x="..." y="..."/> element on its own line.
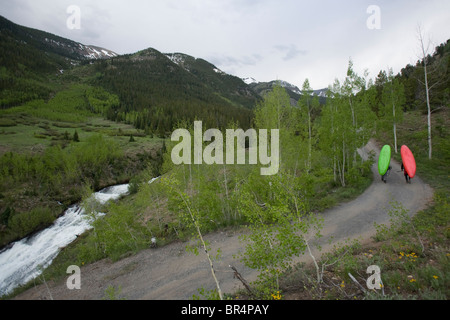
<point x="172" y="273"/>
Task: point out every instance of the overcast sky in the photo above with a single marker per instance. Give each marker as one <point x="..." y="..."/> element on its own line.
<point x="264" y="39"/>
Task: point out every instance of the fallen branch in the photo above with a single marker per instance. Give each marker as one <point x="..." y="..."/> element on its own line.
<point x="356" y="281"/>
<point x="244" y="282"/>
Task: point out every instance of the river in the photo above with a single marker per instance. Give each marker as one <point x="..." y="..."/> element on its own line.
<point x="25" y="259"/>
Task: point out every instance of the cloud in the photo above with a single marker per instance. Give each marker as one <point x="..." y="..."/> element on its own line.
<point x="290" y="52"/>
<point x="230" y="63"/>
<point x="265" y="39"/>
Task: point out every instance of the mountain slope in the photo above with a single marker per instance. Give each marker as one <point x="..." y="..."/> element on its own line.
<point x="156" y="90"/>
<point x="30" y="59"/>
<point x="53" y="44"/>
<point x="230" y="87"/>
<point x="293" y="91"/>
<point x="156" y="93"/>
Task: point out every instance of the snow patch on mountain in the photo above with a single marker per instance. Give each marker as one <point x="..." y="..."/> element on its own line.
<point x="218" y="71"/>
<point x="88" y="52"/>
<point x="175" y="58"/>
<point x="249" y="80"/>
<point x="179" y="59"/>
<point x="92" y="52"/>
<point x="321" y="92"/>
<point x="289" y="86"/>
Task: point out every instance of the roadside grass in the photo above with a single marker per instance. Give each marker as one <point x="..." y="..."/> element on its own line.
<point x="335" y="194"/>
<point x="412" y="265"/>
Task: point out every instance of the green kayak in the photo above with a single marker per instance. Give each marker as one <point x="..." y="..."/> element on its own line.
<point x="384" y="159"/>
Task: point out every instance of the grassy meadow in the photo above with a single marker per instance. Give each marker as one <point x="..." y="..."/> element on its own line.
<point x="51" y="151"/>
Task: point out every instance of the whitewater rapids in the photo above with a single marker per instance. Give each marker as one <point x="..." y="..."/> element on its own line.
<point x="27" y="258"/>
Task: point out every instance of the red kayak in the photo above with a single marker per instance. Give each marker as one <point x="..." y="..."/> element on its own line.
<point x="409" y="163"/>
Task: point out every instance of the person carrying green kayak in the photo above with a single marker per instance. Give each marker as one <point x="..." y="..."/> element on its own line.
<point x="384" y="160"/>
<point x="383" y="177"/>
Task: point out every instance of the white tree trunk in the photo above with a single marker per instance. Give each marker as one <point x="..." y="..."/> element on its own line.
<point x="393" y="116"/>
<point x="427" y="90"/>
<point x="429" y="111"/>
<point x="395" y="137"/>
<point x="310" y="138"/>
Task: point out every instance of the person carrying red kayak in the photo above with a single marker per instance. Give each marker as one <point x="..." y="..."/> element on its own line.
<point x="407" y="178"/>
<point x="408" y="163"/>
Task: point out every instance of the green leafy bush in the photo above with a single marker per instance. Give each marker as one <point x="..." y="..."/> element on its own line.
<point x="26" y="222"/>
